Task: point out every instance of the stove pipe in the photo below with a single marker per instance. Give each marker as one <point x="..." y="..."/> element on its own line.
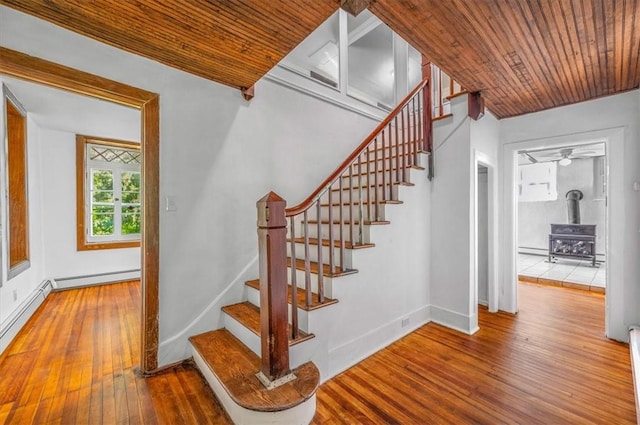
<point x="573" y="206"/>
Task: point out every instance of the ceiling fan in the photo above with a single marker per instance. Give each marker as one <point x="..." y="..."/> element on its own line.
<point x="565" y="155"/>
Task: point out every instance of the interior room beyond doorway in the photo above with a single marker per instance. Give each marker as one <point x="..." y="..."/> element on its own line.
<point x="562" y="216"/>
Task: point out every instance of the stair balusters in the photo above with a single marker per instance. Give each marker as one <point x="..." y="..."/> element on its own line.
<point x="371" y="173"/>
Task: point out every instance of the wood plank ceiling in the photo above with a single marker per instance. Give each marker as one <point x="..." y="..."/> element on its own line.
<point x="234" y="42"/>
<point x="524" y="55"/>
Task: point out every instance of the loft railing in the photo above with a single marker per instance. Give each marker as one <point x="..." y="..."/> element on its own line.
<point x="331" y="220"/>
<point x="443" y="88"/>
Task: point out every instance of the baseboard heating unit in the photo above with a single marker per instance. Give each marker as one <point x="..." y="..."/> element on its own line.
<point x="12" y="325"/>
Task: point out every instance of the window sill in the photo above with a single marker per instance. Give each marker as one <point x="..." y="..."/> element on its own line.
<point x="94" y="246"/>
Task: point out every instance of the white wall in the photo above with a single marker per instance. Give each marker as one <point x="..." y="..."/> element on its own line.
<point x="534" y="218"/>
<point x="62" y="259"/>
<point x="614" y="119"/>
<point x="218" y="155"/>
<point x="450" y="221"/>
<point x="460" y="144"/>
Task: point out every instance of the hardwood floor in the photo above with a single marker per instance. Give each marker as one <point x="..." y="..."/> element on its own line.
<point x="74" y="363"/>
<point x="550" y="364"/>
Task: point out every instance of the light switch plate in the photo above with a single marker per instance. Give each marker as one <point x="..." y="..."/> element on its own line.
<point x="170" y="203"/>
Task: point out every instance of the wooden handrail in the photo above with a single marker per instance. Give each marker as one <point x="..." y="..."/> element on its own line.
<point x="334" y="217"/>
<point x="315" y="195"/>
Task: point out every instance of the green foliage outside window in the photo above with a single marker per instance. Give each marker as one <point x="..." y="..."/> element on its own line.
<point x="104" y="202"/>
<point x="130" y="182"/>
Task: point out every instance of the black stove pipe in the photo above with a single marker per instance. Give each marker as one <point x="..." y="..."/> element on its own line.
<point x="573" y="206"/>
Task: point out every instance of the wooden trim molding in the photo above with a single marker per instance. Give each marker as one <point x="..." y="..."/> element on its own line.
<point x="17" y="186"/>
<point x="36" y="70"/>
<point x="81" y="230"/>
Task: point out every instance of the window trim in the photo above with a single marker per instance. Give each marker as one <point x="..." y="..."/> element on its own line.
<point x="81" y="146"/>
<point x="18" y="257"/>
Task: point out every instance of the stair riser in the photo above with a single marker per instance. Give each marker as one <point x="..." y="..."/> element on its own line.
<point x="324" y="230"/>
<point x="403" y="149"/>
<point x="253" y="296"/>
<point x="313" y="254"/>
<point x="389" y="176"/>
<point x="367" y="208"/>
<point x="388" y="163"/>
<point x="313" y="279"/>
<point x="354" y="195"/>
<point x="297" y="352"/>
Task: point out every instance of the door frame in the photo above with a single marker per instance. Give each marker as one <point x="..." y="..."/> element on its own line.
<point x="480" y="158"/>
<point x="39" y="71"/>
<point x="614" y="141"/>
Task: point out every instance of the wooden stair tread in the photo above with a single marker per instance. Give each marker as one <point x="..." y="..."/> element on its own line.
<point x="325" y="268"/>
<point x="366" y="222"/>
<point x="235" y="366"/>
<point x="364" y="172"/>
<point x="378" y="147"/>
<point x="336" y="243"/>
<point x="385" y="201"/>
<point x="249" y="315"/>
<point x="302" y="297"/>
<point x="372" y="185"/>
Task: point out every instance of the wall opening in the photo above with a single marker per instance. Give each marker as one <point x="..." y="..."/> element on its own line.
<point x="561" y="218"/>
<point x="482" y="251"/>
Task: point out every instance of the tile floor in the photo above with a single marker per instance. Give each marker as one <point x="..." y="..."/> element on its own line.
<point x="564" y="272"/>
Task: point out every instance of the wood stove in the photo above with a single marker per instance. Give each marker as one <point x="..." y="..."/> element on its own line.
<point x="573" y="241"/>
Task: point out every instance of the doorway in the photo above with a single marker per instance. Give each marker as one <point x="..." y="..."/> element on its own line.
<point x="25" y="67"/>
<point x="561" y="219"/>
<point x="482" y="248"/>
<point x="484" y="282"/>
<point x="613" y="139"/>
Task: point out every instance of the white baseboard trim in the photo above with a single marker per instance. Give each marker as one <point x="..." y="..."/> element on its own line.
<point x="452" y="319"/>
<point x="346" y="355"/>
<point x="96" y="279"/>
<point x="634" y="348"/>
<point x="12" y="325"/>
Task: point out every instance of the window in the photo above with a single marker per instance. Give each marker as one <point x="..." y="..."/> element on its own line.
<point x="17" y="194"/>
<point x="356" y="57"/>
<point x="414" y="67"/>
<point x="109" y="182"/>
<point x="538" y="182"/>
<point x="371" y="60"/>
<point x="318" y="56"/>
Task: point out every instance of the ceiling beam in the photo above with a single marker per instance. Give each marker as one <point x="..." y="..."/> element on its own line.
<point x="354" y="7"/>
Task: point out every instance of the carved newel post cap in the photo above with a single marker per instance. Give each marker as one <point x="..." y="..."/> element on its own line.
<point x="271" y="211"/>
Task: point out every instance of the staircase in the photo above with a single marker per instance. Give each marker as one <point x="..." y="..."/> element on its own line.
<point x="316" y="256"/>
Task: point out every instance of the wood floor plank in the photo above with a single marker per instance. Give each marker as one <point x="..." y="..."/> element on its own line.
<point x="550" y="363"/>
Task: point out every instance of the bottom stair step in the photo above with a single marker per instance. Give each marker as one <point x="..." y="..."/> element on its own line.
<point x="233" y="367"/>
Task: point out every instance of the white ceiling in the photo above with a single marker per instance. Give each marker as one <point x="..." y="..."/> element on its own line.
<point x="555" y="154"/>
<point x="61" y="110"/>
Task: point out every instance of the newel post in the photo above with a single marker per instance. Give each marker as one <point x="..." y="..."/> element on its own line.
<point x="274" y="318"/>
<point x="427" y="112"/>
